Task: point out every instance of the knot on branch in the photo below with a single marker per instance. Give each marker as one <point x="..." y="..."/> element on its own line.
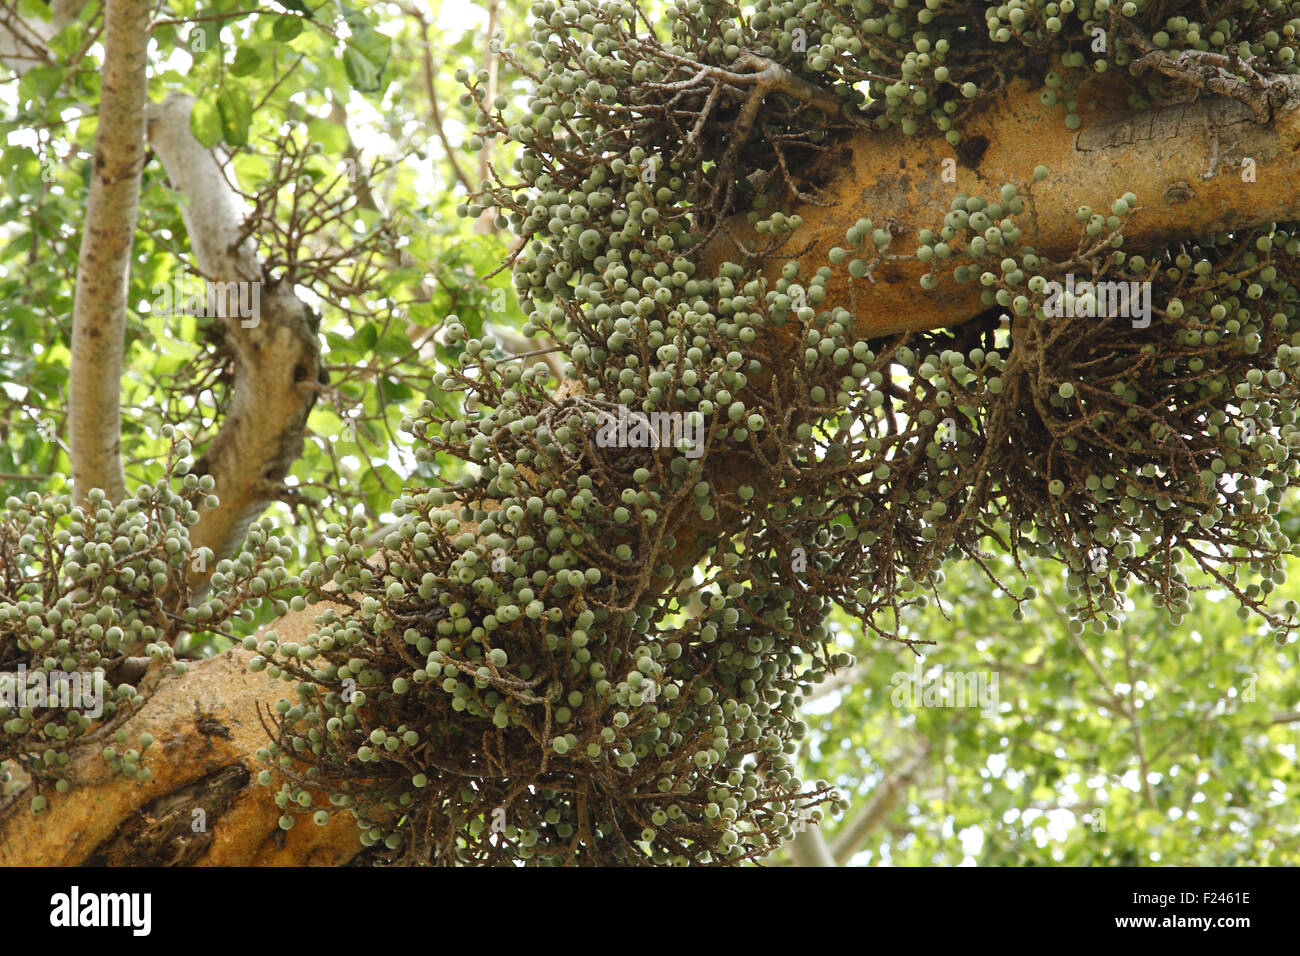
<point x="1229" y="75"/>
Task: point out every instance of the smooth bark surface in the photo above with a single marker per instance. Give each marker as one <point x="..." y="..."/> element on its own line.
<point x="99" y="312"/>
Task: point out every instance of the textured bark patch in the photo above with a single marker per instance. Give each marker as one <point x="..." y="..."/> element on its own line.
<point x="209" y="726"/>
<point x="970" y="151"/>
<point x="1213" y="114"/>
<point x="164" y="832"/>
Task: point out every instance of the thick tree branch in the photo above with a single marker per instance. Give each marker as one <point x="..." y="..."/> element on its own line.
<point x="810" y="848"/>
<point x="1185" y="164"/>
<point x="277" y="355"/>
<point x="882" y="800"/>
<point x="207" y="731"/>
<point x="99" y="312"/>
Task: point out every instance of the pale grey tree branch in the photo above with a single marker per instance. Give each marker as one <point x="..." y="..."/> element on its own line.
<point x="881" y="801"/>
<point x="809" y="848"/>
<point x="277" y="354"/>
<point x="103" y="267"/>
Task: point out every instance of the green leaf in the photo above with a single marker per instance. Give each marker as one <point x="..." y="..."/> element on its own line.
<point x="252" y="170"/>
<point x="362" y="74"/>
<point x="67" y="41"/>
<point x="35" y="8"/>
<point x="366" y="54"/>
<point x="247" y="60"/>
<point x="396" y="345"/>
<point x="236" y="114"/>
<point x="367" y="337"/>
<point x="205" y="120"/>
<point x="332" y="137"/>
<point x="287" y="28"/>
<point x="41" y="83"/>
<point x="394" y="391"/>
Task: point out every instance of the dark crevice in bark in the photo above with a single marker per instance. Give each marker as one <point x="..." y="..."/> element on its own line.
<point x="170" y="831"/>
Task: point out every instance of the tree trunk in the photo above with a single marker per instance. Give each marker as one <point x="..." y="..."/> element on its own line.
<point x="201" y="805"/>
<point x="1185" y="164"/>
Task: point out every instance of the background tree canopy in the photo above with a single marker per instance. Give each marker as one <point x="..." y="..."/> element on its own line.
<point x="826" y="230"/>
